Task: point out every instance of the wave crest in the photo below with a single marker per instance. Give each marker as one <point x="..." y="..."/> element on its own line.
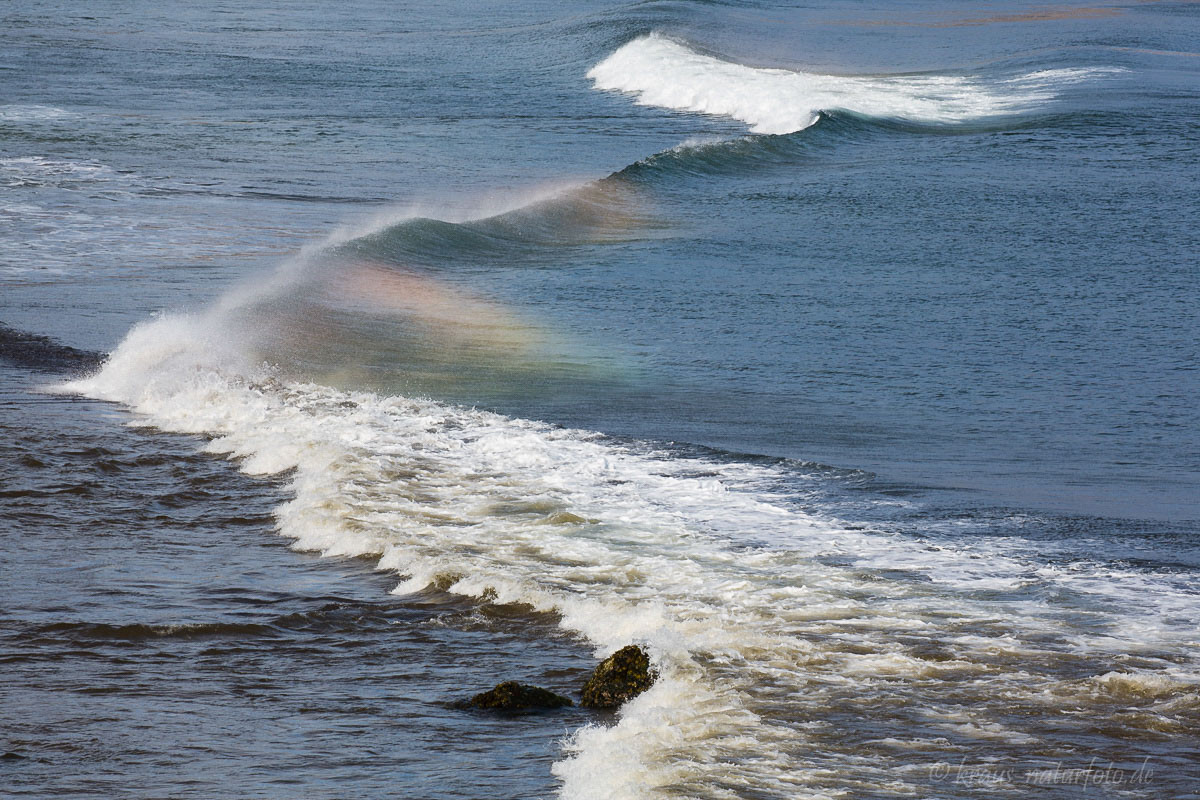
<point x="666" y="73"/>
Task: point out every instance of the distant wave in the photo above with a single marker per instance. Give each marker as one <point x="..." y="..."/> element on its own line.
<point x="40" y="171"/>
<point x="33" y="113"/>
<point x="666" y="73"/>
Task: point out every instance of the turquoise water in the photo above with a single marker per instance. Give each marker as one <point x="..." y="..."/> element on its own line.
<point x="861" y="343"/>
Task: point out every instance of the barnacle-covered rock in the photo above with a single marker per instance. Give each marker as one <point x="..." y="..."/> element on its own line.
<point x="622" y="676"/>
<point x="513" y="696"/>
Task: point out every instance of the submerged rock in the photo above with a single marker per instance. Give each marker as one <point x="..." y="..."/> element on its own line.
<point x="513" y="696"/>
<point x="620" y="677"/>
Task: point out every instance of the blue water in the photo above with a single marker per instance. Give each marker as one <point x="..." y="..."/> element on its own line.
<point x="957" y="310"/>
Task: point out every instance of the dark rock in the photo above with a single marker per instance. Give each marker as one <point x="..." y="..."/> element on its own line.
<point x="513" y="696"/>
<point x="620" y="677"/>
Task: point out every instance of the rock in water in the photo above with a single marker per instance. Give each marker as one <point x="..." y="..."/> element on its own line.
<point x="513" y="696"/>
<point x="622" y="676"/>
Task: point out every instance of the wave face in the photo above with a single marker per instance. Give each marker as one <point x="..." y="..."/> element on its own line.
<point x="389" y="306"/>
<point x="665" y="73"/>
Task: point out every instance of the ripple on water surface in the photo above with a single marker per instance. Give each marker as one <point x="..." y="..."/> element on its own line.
<point x="184" y="650"/>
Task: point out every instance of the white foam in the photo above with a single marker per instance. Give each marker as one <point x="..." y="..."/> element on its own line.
<point x="1162" y="683"/>
<point x="41" y="171"/>
<point x="666" y="73"/>
<point x="33" y="113"/>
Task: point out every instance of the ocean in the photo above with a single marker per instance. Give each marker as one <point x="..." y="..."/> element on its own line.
<point x="843" y="356"/>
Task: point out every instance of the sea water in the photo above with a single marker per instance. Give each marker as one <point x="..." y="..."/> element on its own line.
<point x="842" y="356"/>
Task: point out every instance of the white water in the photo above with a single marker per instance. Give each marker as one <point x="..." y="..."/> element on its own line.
<point x="765" y="621"/>
<point x="33" y="113"/>
<point x="665" y="73"/>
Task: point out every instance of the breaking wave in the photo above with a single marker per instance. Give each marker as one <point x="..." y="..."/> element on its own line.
<point x="662" y="72"/>
<point x="768" y="619"/>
